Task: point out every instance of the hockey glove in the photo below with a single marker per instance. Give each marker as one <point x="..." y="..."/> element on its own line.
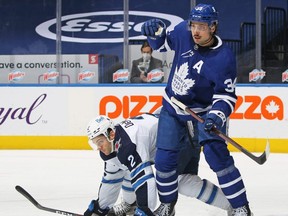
<point x="143" y="211"/>
<point x="94" y="209"/>
<point x="215" y="119"/>
<point x="153" y="27"/>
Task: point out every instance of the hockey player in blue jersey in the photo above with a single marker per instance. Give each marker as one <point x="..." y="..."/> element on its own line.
<point x="203" y="77"/>
<point x="128" y="149"/>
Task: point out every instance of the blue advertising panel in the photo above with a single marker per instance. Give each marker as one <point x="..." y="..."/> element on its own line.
<point x="29" y="26"/>
<point x="92" y="37"/>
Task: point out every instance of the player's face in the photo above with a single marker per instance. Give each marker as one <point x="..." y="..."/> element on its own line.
<point x="102" y="144"/>
<point x="201" y="33"/>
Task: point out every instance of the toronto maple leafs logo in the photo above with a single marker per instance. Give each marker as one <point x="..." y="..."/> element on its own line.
<point x="181" y="84"/>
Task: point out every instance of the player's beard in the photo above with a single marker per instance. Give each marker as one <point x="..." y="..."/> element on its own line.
<point x="208" y="42"/>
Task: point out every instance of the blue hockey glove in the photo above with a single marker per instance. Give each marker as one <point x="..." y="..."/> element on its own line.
<point x="153" y="27"/>
<point x="215" y="119"/>
<point x="94" y="208"/>
<point x="143" y="211"/>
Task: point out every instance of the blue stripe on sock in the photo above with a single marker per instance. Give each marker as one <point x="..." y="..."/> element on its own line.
<point x="212" y="196"/>
<point x="202" y="189"/>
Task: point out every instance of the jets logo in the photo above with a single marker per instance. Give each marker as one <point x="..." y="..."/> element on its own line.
<point x="118" y="144"/>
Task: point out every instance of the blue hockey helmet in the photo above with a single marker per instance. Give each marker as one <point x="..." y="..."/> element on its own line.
<point x="204" y="13"/>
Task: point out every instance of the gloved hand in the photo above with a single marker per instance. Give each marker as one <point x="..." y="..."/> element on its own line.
<point x="95" y="209"/>
<point x="153" y="27"/>
<point x="143" y="211"/>
<point x="214" y="119"/>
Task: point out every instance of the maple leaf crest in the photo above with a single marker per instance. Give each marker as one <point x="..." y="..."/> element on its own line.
<point x="272" y="107"/>
<point x="180" y="84"/>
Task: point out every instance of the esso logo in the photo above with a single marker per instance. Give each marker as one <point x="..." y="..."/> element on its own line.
<point x="102" y="26"/>
<point x="128" y="106"/>
<point x="271" y="107"/>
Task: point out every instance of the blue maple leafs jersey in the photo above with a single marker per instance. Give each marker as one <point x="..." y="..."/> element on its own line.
<point x="203" y="78"/>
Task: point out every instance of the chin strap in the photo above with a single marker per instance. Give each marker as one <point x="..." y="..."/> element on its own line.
<point x="112" y="146"/>
<point x="111" y="142"/>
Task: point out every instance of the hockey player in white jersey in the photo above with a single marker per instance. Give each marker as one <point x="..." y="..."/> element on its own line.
<point x="128" y="150"/>
<point x="203" y="77"/>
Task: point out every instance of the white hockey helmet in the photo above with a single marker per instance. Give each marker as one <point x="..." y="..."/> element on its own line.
<point x="100" y="125"/>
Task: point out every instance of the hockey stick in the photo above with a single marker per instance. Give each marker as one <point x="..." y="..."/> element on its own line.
<point x="39" y="206"/>
<point x="260" y="159"/>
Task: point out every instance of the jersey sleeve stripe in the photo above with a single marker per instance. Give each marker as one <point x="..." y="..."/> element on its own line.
<point x="226" y="97"/>
<point x="127" y="188"/>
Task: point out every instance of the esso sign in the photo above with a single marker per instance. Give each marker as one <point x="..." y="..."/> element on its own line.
<point x="98" y="27"/>
<point x="128" y="106"/>
<point x="270" y="107"/>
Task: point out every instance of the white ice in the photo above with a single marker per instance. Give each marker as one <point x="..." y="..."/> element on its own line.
<point x="69" y="180"/>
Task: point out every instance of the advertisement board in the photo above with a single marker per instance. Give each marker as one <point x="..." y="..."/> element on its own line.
<point x="52" y="117"/>
<point x="86" y="26"/>
<point x="44" y="69"/>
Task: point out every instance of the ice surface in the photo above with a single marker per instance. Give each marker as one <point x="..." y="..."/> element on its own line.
<point x="68" y="180"/>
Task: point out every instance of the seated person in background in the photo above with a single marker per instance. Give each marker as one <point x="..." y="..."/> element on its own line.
<point x="143" y="66"/>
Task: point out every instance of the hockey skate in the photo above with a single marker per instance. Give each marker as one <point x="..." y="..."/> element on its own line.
<point x="122" y="209"/>
<point x="165" y="209"/>
<point x="242" y="211"/>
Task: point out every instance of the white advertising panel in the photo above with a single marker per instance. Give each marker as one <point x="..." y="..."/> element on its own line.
<point x="44" y="69"/>
<point x="49" y="111"/>
<point x="260" y="112"/>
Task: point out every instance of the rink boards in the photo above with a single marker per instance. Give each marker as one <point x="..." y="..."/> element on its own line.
<point x="55" y="117"/>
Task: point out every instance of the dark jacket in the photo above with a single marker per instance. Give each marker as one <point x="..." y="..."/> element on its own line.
<point x="135" y="72"/>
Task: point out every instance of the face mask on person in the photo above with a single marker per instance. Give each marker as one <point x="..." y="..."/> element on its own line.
<point x="146" y="56"/>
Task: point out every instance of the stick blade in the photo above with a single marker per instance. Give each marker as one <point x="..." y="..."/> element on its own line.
<point x="32" y="200"/>
<point x="27" y="195"/>
<point x="263" y="158"/>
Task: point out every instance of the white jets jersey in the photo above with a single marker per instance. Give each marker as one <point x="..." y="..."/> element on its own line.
<point x="129" y="167"/>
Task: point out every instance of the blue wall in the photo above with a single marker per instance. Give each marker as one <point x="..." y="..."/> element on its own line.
<point x="18" y="20"/>
<point x="233" y="12"/>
